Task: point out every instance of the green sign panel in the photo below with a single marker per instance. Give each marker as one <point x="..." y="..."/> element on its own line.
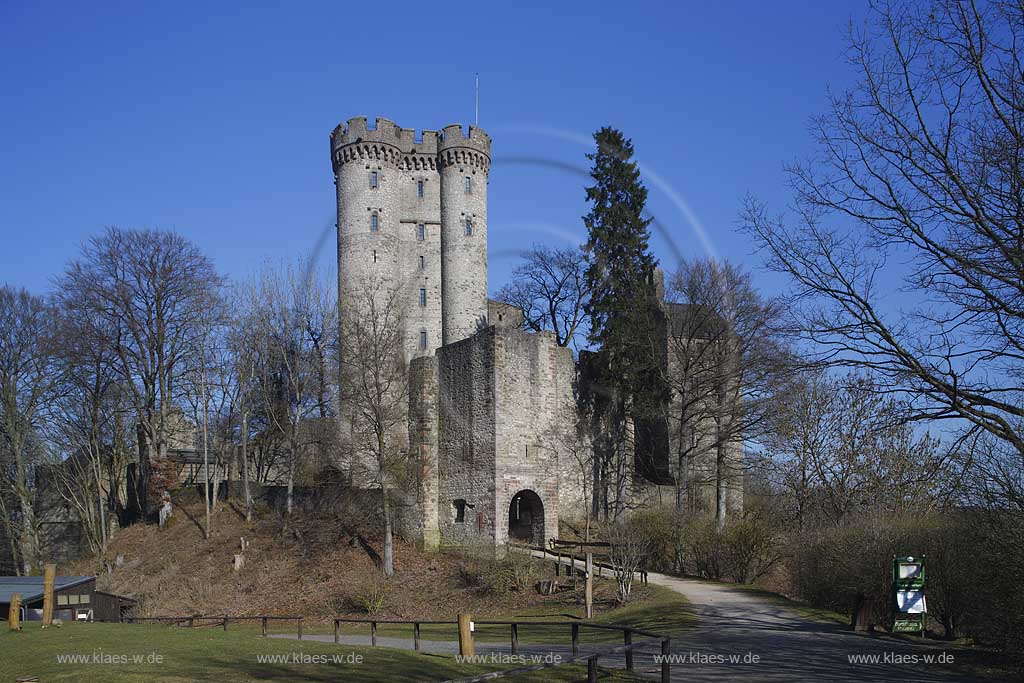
<point x="908" y="598"/>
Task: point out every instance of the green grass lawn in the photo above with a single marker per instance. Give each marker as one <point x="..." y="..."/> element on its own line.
<point x="656" y="609"/>
<point x="160" y="654"/>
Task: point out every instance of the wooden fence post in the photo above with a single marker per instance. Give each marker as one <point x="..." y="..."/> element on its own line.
<point x="416" y="637"/>
<point x="14" y="613"/>
<point x="666" y="668"/>
<point x="575" y="640"/>
<point x="49" y="580"/>
<point x="515" y="638"/>
<point x="589" y="592"/>
<point x="627" y="640"/>
<point x="592" y="670"/>
<point x="465" y="636"/>
<point x="225" y="622"/>
<point x="373" y="633"/>
<point x="263" y="624"/>
<point x="337" y="625"/>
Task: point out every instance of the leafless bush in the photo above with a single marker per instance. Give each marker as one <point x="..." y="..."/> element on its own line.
<point x="630" y="548"/>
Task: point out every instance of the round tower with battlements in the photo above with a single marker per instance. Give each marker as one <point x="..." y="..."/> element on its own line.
<point x="367" y="175"/>
<point x="464" y="163"/>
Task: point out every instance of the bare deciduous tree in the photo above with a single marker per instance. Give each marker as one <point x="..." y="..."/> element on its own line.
<point x="291" y="321"/>
<point x="725" y="363"/>
<point x="28" y="378"/>
<point x="551" y="290"/>
<point x="922" y="164"/>
<point x="153" y="288"/>
<point x="375" y="386"/>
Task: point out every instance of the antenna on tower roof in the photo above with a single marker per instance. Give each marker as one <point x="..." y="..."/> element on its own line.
<point x="477" y="118"/>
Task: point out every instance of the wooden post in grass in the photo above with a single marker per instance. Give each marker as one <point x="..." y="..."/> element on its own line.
<point x="627" y="640"/>
<point x="14" y="613"/>
<point x="465" y="636"/>
<point x="49" y="580"/>
<point x="589" y="592"/>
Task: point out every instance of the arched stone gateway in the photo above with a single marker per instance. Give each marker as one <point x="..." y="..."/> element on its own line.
<point x="526" y="518"/>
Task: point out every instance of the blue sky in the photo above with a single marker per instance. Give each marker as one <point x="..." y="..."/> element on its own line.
<point x="213" y="119"/>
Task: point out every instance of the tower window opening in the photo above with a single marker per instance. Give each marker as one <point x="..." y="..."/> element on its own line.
<point x="421" y="232"/>
<point x="460" y="510"/>
<point x="374" y="255"/>
<point x="374" y="222"/>
<point x="469" y="185"/>
<point x="423" y="296"/>
<point x="423" y="340"/>
<point x="419" y="188"/>
<point x="374" y="179"/>
<point x="469" y="227"/>
<point x="422" y="263"/>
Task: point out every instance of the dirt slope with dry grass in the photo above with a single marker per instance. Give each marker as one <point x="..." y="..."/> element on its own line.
<point x="307" y="564"/>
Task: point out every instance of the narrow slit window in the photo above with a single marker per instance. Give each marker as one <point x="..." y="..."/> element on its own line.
<point x="423" y="296"/>
<point x="374" y="179"/>
<point x="460" y="510"/>
<point x="423" y="340"/>
<point x="374" y="255"/>
<point x="422" y="263"/>
<point x="469" y="227"/>
<point x="419" y="188"/>
<point x="469" y="185"/>
<point x="374" y="222"/>
<point x="421" y="232"/>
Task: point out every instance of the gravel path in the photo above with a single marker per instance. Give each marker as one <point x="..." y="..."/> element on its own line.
<point x="741" y="636"/>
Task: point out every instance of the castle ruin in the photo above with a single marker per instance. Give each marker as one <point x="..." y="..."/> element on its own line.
<point x="491" y="407"/>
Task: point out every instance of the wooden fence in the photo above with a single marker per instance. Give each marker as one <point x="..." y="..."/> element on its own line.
<point x="629" y="645"/>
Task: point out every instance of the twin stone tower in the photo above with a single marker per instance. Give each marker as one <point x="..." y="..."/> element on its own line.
<point x="488" y="403"/>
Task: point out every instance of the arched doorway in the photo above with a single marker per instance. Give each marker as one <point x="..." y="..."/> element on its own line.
<point x="526" y="518"/>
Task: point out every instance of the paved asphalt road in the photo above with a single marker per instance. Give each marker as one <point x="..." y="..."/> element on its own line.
<point x="743" y="637"/>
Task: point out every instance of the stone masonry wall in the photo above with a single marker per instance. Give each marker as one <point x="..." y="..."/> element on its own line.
<point x="530" y="397"/>
<point x="466" y="456"/>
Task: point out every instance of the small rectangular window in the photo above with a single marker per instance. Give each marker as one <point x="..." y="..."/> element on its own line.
<point x="374" y="255"/>
<point x="423" y="339"/>
<point x="460" y="510"/>
<point x="421" y="232"/>
<point x="374" y="179"/>
<point x="419" y="188"/>
<point x="469" y="227"/>
<point x="423" y="296"/>
<point x="469" y="185"/>
<point x="374" y="223"/>
<point x="422" y="263"/>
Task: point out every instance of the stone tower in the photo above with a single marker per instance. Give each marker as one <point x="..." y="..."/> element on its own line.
<point x="412" y="220"/>
<point x="463" y="163"/>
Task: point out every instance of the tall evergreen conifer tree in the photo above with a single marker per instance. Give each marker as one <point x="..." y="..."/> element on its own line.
<point x="623" y="307"/>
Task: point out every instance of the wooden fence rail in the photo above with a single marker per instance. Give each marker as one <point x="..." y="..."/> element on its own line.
<point x="627" y="649"/>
